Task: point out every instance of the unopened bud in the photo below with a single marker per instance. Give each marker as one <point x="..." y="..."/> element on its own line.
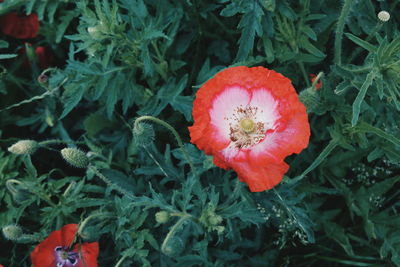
<point x="173" y="247"/>
<point x="43" y="78"/>
<point x="24" y="147"/>
<point x="18" y="190"/>
<point x="143" y="134"/>
<point x="214" y="219"/>
<point x="75" y="157"/>
<point x="90" y="234"/>
<point x="162" y="216"/>
<point x="94" y="32"/>
<point x="12" y="232"/>
<point x="310" y="99"/>
<point x="383" y="16"/>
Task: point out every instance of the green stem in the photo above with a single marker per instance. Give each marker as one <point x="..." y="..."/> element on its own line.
<point x="362" y="69"/>
<point x="64" y="134"/>
<point x="69" y="188"/>
<point x="38" y="97"/>
<point x="327" y="150"/>
<point x="319" y="76"/>
<point x="290" y="211"/>
<point x="58" y="141"/>
<point x="10" y="185"/>
<point x="121" y="260"/>
<point x="173" y="230"/>
<point x="173" y="131"/>
<point x="90" y="217"/>
<point x="108" y="182"/>
<point x="339" y="30"/>
<point x="303" y="71"/>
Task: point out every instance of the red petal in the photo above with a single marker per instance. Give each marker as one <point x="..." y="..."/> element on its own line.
<point x="43" y="254"/>
<point x="260" y="177"/>
<point x="68" y="232"/>
<point x="88" y="253"/>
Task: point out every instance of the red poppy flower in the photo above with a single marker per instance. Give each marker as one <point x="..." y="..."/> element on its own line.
<point x="20" y="26"/>
<point x="57" y="251"/>
<point x="250" y="119"/>
<point x="318" y="85"/>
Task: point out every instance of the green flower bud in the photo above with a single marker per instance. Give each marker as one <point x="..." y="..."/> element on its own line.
<point x="214" y="219"/>
<point x="162" y="216"/>
<point x="94" y="32"/>
<point x="90" y="234"/>
<point x="310" y="99"/>
<point x="24" y="147"/>
<point x="220" y="229"/>
<point x="75" y="157"/>
<point x="143" y="134"/>
<point x="18" y="190"/>
<point x="173" y="247"/>
<point x="210" y="220"/>
<point x="12" y="232"/>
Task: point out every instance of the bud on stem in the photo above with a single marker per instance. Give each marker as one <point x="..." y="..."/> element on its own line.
<point x="24" y="147"/>
<point x="75" y="157"/>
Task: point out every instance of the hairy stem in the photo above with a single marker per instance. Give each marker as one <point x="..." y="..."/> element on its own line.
<point x="173" y="230"/>
<point x="339" y="30"/>
<point x="173" y="131"/>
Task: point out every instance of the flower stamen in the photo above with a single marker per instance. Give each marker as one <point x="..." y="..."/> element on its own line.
<point x="245" y="131"/>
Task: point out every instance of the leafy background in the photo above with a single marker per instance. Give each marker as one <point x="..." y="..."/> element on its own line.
<point x="121" y="59"/>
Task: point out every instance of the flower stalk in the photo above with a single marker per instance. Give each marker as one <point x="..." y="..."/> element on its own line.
<point x="339" y="30"/>
<point x="174" y="133"/>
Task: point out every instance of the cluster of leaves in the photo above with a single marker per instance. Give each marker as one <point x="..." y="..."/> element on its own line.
<point x="121" y="59"/>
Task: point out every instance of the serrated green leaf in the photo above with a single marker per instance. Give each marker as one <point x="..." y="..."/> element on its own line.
<point x="361" y="42"/>
<point x="250" y="25"/>
<point x="360" y="97"/>
<point x="71" y="97"/>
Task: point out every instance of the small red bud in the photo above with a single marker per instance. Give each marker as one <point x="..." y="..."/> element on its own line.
<point x="43" y="78"/>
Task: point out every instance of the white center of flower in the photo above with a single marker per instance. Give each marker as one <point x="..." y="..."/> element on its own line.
<point x="245" y="130"/>
<point x="65" y="257"/>
<point x="243" y="117"/>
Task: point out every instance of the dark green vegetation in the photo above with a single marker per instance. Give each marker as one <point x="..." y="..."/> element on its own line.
<point x="115" y="61"/>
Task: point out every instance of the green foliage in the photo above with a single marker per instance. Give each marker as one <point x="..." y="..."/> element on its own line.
<point x="118" y="60"/>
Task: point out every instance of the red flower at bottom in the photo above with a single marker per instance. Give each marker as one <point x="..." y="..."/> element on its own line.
<point x="250" y="119"/>
<point x="57" y="250"/>
<point x="20" y="26"/>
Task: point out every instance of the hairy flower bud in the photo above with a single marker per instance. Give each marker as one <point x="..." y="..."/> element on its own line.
<point x="143" y="134"/>
<point x="18" y="190"/>
<point x="24" y="147"/>
<point x="383" y="16"/>
<point x="162" y="216"/>
<point x="12" y="232"/>
<point x="94" y="32"/>
<point x="174" y="246"/>
<point x="310" y="99"/>
<point x="210" y="220"/>
<point x="75" y="157"/>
